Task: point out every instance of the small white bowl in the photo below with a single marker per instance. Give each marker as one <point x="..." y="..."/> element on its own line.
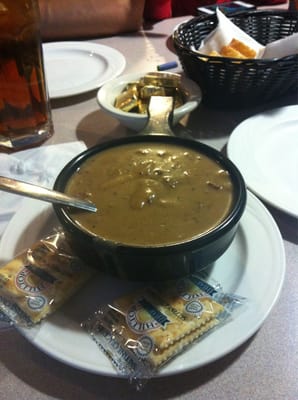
<point x="110" y="90"/>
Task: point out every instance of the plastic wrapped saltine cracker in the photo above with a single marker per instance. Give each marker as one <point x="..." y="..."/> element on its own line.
<point x="143" y="330"/>
<point x="40" y="279"/>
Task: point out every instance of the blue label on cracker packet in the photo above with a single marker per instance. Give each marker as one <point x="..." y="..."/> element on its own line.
<point x="203" y="285"/>
<point x="156" y="314"/>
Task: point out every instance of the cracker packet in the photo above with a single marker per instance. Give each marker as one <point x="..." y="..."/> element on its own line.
<point x="40" y="279"/>
<point x="143" y="330"/>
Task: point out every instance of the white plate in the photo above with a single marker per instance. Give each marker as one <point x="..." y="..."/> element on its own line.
<point x="253" y="266"/>
<point x="265" y="149"/>
<point x="78" y="67"/>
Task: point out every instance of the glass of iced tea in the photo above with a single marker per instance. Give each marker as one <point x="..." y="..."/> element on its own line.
<point x="25" y="115"/>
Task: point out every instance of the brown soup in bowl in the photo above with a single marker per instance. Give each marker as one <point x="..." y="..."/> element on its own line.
<point x="167" y="206"/>
<point x="151" y="194"/>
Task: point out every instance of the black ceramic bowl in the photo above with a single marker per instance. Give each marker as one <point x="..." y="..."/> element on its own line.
<point x="153" y="263"/>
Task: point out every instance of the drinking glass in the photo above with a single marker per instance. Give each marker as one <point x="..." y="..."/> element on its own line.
<point x="25" y="114"/>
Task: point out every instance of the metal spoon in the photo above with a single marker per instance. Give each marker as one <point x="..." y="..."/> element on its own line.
<point x="41" y="193"/>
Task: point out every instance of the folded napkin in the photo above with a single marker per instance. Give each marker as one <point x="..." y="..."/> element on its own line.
<point x="39" y="166"/>
<point x="282" y="47"/>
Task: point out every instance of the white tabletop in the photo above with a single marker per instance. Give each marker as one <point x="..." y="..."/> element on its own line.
<point x="265" y="367"/>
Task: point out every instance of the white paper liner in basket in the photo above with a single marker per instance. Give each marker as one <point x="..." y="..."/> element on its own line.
<point x="225" y="31"/>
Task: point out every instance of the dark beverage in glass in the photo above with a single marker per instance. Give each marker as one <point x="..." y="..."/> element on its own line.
<point x="24" y="103"/>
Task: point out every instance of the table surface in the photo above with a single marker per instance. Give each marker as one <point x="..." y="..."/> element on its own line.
<point x="265" y="367"/>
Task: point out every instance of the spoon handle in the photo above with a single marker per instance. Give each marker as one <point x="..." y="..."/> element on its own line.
<point x="160" y="111"/>
<point x="41" y="193"/>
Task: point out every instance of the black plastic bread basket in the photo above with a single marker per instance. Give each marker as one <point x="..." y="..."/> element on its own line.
<point x="235" y="83"/>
